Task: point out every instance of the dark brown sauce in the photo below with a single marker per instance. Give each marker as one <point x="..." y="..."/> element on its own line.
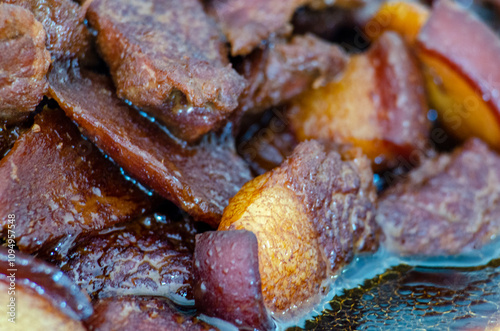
<point x="432" y="294"/>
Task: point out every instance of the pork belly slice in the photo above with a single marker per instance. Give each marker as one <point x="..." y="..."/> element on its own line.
<point x="310" y="216"/>
<point x="169" y="58"/>
<point x="199" y="179"/>
<point x="284" y="69"/>
<point x="378" y="105"/>
<point x="148" y="256"/>
<point x="449" y="205"/>
<point x="43" y="297"/>
<point x="132" y="313"/>
<point x="23" y="64"/>
<point x="63" y="20"/>
<point x="60" y="186"/>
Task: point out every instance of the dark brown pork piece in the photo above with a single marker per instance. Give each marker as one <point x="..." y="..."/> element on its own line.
<point x="141" y="313"/>
<point x="200" y="179"/>
<point x="378" y="105"/>
<point x="38" y="296"/>
<point x="63" y="21"/>
<point x="150" y="256"/>
<point x="227" y="279"/>
<point x="310" y="216"/>
<point x="451" y="204"/>
<point x="284" y="69"/>
<point x="247" y="23"/>
<point x="169" y="58"/>
<point x="24" y="62"/>
<point x="60" y="186"/>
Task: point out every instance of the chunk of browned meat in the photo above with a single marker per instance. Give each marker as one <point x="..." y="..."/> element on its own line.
<point x="63" y="21"/>
<point x="247" y="23"/>
<point x="131" y="313"/>
<point x="378" y="105"/>
<point x="24" y="61"/>
<point x="310" y="216"/>
<point x="169" y="58"/>
<point x="449" y="205"/>
<point x="60" y="186"/>
<point x="45" y="299"/>
<point x="200" y="179"/>
<point x="227" y="279"/>
<point x="284" y="69"/>
<point x="150" y="256"/>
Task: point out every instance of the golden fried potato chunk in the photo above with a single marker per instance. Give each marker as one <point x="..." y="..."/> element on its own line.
<point x="310" y="216"/>
<point x="378" y="105"/>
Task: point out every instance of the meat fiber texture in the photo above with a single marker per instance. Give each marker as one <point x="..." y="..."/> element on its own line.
<point x="450" y="205"/>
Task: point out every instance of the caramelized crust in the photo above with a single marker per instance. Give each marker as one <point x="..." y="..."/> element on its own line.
<point x="378" y="105"/>
<point x="200" y="179"/>
<point x="152" y="256"/>
<point x="283" y="70"/>
<point x="449" y="205"/>
<point x="310" y="216"/>
<point x="141" y="313"/>
<point x="24" y="61"/>
<point x="63" y="21"/>
<point x="169" y="58"/>
<point x="60" y="186"/>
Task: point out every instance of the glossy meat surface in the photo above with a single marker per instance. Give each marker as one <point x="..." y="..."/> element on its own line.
<point x="200" y="179"/>
<point x="227" y="279"/>
<point x="378" y="105"/>
<point x="310" y="216"/>
<point x="284" y="69"/>
<point x="169" y="58"/>
<point x="449" y="205"/>
<point x="149" y="256"/>
<point x="45" y="299"/>
<point x="60" y="186"/>
<point x="141" y="313"/>
<point x="63" y="20"/>
<point x="23" y="64"/>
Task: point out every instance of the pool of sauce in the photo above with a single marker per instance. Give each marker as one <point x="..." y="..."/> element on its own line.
<point x="384" y="291"/>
